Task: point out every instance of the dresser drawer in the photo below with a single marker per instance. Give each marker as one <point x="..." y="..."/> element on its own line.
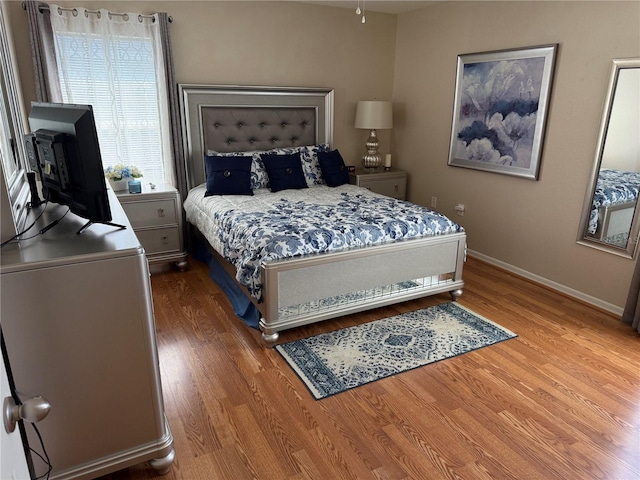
<point x="159" y="240"/>
<point x="151" y="213"/>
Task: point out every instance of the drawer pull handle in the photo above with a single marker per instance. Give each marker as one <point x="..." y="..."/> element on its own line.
<point x="161" y="212"/>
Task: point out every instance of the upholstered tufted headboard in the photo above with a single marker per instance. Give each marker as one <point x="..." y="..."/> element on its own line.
<point x="240" y="119"/>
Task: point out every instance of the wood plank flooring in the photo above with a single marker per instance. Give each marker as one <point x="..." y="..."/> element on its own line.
<point x="561" y="401"/>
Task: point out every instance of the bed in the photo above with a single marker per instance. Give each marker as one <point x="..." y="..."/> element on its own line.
<point x="318" y="273"/>
<point x="613" y="207"/>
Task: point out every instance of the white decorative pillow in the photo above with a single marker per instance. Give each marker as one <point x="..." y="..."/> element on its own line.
<point x="308" y="157"/>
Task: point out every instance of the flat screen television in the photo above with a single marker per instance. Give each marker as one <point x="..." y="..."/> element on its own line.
<point x="66" y="154"/>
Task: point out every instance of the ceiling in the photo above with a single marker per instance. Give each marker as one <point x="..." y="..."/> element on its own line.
<point x="382" y="6"/>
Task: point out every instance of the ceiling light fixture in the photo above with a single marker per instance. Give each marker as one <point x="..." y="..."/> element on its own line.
<point x="361" y="12"/>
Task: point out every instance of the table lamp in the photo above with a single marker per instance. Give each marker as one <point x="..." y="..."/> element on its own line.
<point x="372" y="115"/>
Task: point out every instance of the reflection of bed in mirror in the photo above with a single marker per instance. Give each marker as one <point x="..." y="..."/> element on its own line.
<point x="610" y="221"/>
<point x="614" y="203"/>
<point x="305" y="286"/>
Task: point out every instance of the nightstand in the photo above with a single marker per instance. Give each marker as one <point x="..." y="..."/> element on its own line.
<point x="156" y="218"/>
<point x="392" y="183"/>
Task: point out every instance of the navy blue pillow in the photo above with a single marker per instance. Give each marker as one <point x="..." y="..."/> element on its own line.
<point x="284" y="171"/>
<point x="228" y="175"/>
<point x="333" y="168"/>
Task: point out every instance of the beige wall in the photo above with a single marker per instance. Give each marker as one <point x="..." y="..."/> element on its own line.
<point x="268" y="43"/>
<point x="530" y="225"/>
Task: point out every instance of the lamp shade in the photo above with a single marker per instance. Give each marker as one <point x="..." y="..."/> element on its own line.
<point x="374" y="114"/>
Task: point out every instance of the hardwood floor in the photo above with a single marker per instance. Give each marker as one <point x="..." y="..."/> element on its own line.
<point x="561" y="401"/>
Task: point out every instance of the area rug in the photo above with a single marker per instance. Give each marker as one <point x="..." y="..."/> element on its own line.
<point x="333" y="362"/>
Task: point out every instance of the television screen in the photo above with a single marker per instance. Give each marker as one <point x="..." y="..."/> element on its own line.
<point x="68" y="159"/>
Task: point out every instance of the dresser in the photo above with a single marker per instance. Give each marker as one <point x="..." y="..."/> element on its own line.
<point x="78" y="322"/>
<point x="392" y="183"/>
<point x="156" y="217"/>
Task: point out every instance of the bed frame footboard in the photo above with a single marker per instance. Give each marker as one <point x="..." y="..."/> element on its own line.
<point x="614" y="220"/>
<point x="312" y="288"/>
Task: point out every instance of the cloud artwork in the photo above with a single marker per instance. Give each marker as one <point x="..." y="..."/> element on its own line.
<point x="499" y="106"/>
<point x="498" y="111"/>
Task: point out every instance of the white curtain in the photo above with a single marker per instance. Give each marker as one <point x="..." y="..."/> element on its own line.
<point x="115" y="63"/>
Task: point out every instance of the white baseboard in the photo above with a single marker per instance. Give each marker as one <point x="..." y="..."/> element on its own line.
<point x="596" y="302"/>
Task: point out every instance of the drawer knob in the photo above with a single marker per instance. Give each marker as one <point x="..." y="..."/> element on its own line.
<point x="164" y="239"/>
<point x="161" y="212"/>
<point x="396" y="187"/>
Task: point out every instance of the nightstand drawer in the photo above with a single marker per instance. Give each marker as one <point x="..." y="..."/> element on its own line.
<point x="392" y="183"/>
<point x="151" y="213"/>
<point x="159" y="240"/>
<point x="396" y="188"/>
<point x="156" y="216"/>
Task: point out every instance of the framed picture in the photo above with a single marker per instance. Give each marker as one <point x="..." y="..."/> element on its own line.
<point x="500" y="110"/>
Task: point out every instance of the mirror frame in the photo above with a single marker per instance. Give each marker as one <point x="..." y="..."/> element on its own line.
<point x="617" y="65"/>
<point x="14" y="190"/>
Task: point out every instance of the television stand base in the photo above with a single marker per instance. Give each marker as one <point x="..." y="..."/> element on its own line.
<point x="89" y="223"/>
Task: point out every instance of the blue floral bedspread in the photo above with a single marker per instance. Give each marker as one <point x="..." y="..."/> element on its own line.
<point x="268" y="226"/>
<point x="613" y="187"/>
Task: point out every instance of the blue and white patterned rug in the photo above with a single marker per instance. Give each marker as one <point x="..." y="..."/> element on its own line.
<point x="333" y="362"/>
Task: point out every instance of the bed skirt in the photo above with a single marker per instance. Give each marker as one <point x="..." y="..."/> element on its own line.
<point x="242" y="306"/>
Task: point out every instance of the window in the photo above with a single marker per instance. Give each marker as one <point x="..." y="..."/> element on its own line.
<point x="111" y="62"/>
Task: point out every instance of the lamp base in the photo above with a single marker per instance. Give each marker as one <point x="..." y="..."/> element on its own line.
<point x="372" y="159"/>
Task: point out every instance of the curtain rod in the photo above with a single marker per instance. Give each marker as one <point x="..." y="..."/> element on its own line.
<point x="43" y="7"/>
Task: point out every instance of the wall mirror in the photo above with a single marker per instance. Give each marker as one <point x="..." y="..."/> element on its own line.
<point x="611" y="218"/>
<point x="14" y="190"/>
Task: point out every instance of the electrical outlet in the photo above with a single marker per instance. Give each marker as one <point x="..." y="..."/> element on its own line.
<point x="460" y="209"/>
<point x="434" y="202"/>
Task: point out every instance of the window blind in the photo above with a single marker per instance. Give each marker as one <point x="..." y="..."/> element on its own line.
<point x="117" y="76"/>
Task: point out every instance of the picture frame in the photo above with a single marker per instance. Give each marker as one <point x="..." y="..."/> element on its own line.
<point x="500" y="110"/>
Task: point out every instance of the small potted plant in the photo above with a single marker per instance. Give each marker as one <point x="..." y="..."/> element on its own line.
<point x="119" y="175"/>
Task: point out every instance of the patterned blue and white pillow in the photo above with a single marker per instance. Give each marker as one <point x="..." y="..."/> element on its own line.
<point x="310" y="164"/>
<point x="308" y="157"/>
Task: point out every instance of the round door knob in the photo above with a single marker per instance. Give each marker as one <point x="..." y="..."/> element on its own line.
<point x="32" y="410"/>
